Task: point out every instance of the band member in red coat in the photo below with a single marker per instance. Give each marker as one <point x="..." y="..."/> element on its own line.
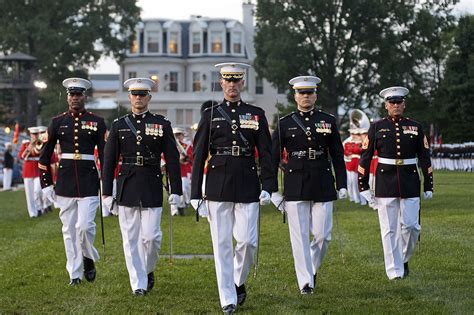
<point x="185" y="150"/>
<point x="29" y="153"/>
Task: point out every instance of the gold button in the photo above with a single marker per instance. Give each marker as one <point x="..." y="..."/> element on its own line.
<point x="138" y="153"/>
<point x="77" y="151"/>
<point x="396" y="124"/>
<point x="138" y="121"/>
<point x="398" y="153"/>
<point x="138" y="142"/>
<point x="397" y="129"/>
<point x="234" y="142"/>
<point x="233" y="110"/>
<point x="76" y="144"/>
<point x="306" y="119"/>
<point x="77" y="119"/>
<point x="293" y="136"/>
<point x="76" y="137"/>
<point x="233" y="131"/>
<point x="384" y="136"/>
<point x="309" y="138"/>
<point x="398" y="140"/>
<point x="398" y="147"/>
<point x="76" y="124"/>
<point x="398" y="135"/>
<point x="75" y="130"/>
<point x="233" y="121"/>
<point x="308" y="128"/>
<point x="138" y="131"/>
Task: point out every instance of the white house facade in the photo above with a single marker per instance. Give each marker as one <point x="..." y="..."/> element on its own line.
<point x="182" y="55"/>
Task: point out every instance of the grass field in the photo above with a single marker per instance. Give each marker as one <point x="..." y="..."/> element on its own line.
<point x="33" y="278"/>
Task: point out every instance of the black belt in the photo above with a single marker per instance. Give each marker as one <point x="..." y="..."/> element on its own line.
<point x="140" y="160"/>
<point x="234" y="150"/>
<point x="308" y="154"/>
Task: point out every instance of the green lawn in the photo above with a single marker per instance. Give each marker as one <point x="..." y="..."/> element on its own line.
<point x="33" y="277"/>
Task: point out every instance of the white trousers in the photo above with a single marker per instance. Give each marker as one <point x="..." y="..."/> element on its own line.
<point x="141" y="235"/>
<point x="7" y="178"/>
<point x="305" y="217"/>
<point x="227" y="219"/>
<point x="33" y="195"/>
<point x="399" y="229"/>
<point x="78" y="218"/>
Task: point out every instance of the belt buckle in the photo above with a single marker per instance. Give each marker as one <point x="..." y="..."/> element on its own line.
<point x="235" y="150"/>
<point x="399" y="162"/>
<point x="77" y="156"/>
<point x="312" y="154"/>
<point x="139" y="161"/>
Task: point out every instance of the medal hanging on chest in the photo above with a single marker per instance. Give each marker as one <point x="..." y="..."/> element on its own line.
<point x="154" y="130"/>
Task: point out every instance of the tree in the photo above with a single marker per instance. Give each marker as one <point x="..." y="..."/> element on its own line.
<point x="356" y="47"/>
<point x="66" y="36"/>
<point x="455" y="97"/>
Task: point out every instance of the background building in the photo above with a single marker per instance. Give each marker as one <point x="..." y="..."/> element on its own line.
<point x="182" y="55"/>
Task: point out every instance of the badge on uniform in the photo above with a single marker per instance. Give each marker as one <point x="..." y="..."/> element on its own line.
<point x="154" y="130"/>
<point x="90" y="125"/>
<point x="249" y="121"/>
<point x="365" y="143"/>
<point x="323" y="127"/>
<point x="410" y="130"/>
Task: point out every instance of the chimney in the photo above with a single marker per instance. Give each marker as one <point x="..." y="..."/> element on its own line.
<point x="248" y="22"/>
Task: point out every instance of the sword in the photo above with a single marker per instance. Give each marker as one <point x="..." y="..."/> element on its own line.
<point x="102" y="219"/>
<point x="258" y="244"/>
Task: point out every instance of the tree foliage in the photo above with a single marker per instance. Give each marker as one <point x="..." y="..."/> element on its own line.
<point x="455" y="98"/>
<point x="356" y="47"/>
<point x="66" y="36"/>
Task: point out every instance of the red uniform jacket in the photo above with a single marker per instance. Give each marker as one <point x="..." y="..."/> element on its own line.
<point x="30" y="166"/>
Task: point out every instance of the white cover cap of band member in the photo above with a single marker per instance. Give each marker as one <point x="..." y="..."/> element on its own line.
<point x="77" y="84"/>
<point x="305" y="82"/>
<point x="394" y="92"/>
<point x="42" y="129"/>
<point x="179" y="130"/>
<point x="140" y="84"/>
<point x="8" y="144"/>
<point x="33" y="129"/>
<point x="232" y="70"/>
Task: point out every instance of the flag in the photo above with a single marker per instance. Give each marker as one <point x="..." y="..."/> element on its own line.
<point x="16" y="134"/>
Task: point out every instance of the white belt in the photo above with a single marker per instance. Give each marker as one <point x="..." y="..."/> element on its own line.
<point x="397" y="161"/>
<point x="78" y="156"/>
<point x="32" y="159"/>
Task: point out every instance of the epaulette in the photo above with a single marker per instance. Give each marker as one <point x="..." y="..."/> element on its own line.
<point x="251" y="105"/>
<point x="287" y="115"/>
<point x="60" y="115"/>
<point x="210" y="107"/>
<point x="123" y="117"/>
<point x="326" y="113"/>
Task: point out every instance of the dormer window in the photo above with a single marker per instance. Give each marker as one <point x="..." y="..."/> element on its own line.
<point x="153" y="41"/>
<point x="134" y="47"/>
<point x="217" y="42"/>
<point x="173" y="43"/>
<point x="196" y="42"/>
<point x="237" y="43"/>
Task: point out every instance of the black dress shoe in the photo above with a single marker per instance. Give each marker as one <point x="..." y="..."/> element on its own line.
<point x="406" y="270"/>
<point x="151" y="281"/>
<point x="241" y="294"/>
<point x="306" y="290"/>
<point x="139" y="292"/>
<point x="181" y="211"/>
<point x="314" y="280"/>
<point x="74" y="282"/>
<point x="89" y="269"/>
<point x="229" y="309"/>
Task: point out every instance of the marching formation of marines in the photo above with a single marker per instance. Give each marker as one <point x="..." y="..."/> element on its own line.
<point x="226" y="174"/>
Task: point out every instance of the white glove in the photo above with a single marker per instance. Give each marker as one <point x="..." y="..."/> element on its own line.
<point x="277" y="200"/>
<point x="369" y="196"/>
<point x="174" y="199"/>
<point x="109" y="203"/>
<point x="342" y="194"/>
<point x="48" y="193"/>
<point x="428" y="195"/>
<point x="264" y="198"/>
<point x="200" y="206"/>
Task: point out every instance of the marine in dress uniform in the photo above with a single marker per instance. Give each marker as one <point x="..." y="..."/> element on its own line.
<point x="29" y="153"/>
<point x="401" y="145"/>
<point x="77" y="185"/>
<point x="138" y="140"/>
<point x="311" y="139"/>
<point x="229" y="133"/>
<point x="185" y="150"/>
